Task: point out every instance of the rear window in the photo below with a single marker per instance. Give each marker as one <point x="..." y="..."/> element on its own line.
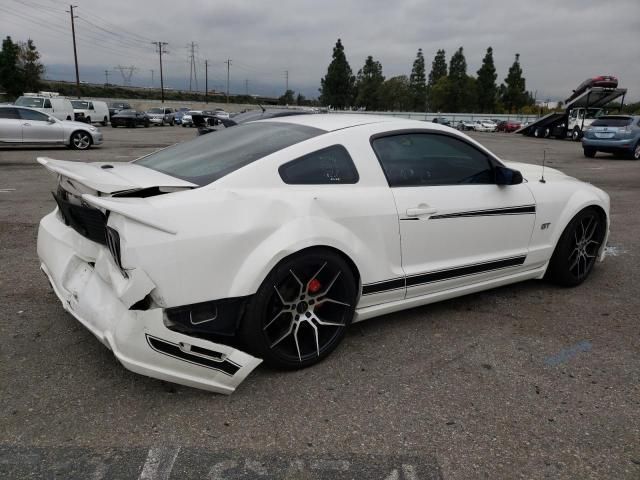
<point x="612" y="122"/>
<point x="156" y="110"/>
<point x="210" y="157"/>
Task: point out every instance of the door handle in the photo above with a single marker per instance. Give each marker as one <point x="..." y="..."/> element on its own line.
<point x="422" y="209"/>
<point x="26" y="124"/>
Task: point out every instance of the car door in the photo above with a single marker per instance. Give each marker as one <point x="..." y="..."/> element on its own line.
<point x="457" y="226"/>
<point x="10" y="126"/>
<point x="36" y="128"/>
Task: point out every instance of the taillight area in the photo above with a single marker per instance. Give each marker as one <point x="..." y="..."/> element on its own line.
<point x="113" y="243"/>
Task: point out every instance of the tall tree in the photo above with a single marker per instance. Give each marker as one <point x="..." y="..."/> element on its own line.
<point x="337" y="87"/>
<point x="458" y="94"/>
<point x="486" y="87"/>
<point x="418" y="84"/>
<point x="515" y="93"/>
<point x="395" y="94"/>
<point x="11" y="77"/>
<point x="368" y="84"/>
<point x="438" y="70"/>
<point x="287" y="98"/>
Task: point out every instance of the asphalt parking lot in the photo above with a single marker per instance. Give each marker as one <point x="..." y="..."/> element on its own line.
<point x="526" y="381"/>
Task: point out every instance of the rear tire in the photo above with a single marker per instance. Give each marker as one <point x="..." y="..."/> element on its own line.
<point x="635" y="153"/>
<point x="104" y="122"/>
<point x="146" y="124"/>
<point x="301" y="311"/>
<point x="589" y="152"/>
<point x="576" y="134"/>
<point x="577" y="249"/>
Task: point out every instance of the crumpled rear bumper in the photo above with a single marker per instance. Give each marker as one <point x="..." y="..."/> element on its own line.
<point x="82" y="276"/>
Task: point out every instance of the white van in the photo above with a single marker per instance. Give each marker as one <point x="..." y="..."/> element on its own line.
<point x="49" y="103"/>
<point x="89" y="111"/>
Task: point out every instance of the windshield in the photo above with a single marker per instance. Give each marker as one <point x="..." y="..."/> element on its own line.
<point x="32" y="102"/>
<point x="612" y="122"/>
<point x="210" y="157"/>
<point x="155" y="110"/>
<point x="594" y="112"/>
<point x="80" y="104"/>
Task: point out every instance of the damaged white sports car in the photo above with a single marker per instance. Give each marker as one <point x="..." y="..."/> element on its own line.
<point x="273" y="236"/>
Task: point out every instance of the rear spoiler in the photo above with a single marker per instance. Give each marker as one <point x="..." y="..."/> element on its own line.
<point x="141" y="213"/>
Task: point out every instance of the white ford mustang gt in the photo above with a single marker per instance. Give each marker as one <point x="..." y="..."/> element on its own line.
<point x="273" y="236"/>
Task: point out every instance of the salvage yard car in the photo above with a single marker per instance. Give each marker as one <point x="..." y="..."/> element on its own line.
<point x="28" y="126"/>
<point x="130" y="118"/>
<point x="618" y="134"/>
<point x="89" y="111"/>
<point x="278" y="234"/>
<point x="161" y="116"/>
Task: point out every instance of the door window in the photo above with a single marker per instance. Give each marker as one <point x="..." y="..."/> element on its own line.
<point x="47" y="103"/>
<point x="33" y="115"/>
<point x="327" y="166"/>
<point x="9" y="113"/>
<point x="423" y="159"/>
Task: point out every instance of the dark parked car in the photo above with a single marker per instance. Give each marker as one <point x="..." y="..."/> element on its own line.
<point x="179" y="114"/>
<point x="442" y="121"/>
<point x="606" y="81"/>
<point x="115" y="107"/>
<point x="618" y="134"/>
<point x="508" y="126"/>
<point x="130" y="118"/>
<point x="207" y="121"/>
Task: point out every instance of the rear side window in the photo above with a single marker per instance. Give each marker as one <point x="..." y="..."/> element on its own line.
<point x="425" y="159"/>
<point x="331" y="165"/>
<point x="9" y="113"/>
<point x="612" y="122"/>
<point x="47" y="103"/>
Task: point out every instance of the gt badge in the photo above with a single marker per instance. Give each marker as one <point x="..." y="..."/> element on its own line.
<point x="544" y="226"/>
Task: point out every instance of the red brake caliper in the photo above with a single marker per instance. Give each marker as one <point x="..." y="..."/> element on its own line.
<point x="314" y="286"/>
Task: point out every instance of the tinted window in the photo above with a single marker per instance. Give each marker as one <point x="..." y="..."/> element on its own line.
<point x="612" y="122"/>
<point x="420" y="159"/>
<point x="327" y="166"/>
<point x="210" y="157"/>
<point x="155" y="110"/>
<point x="33" y="115"/>
<point x="9" y="113"/>
<point x="47" y="103"/>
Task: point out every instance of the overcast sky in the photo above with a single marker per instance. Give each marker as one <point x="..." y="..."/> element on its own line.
<point x="560" y="43"/>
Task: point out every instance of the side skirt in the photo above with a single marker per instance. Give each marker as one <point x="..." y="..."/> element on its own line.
<point x="377" y="310"/>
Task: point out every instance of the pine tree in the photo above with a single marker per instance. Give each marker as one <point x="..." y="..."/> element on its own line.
<point x="418" y="83"/>
<point x="337" y="87"/>
<point x="457" y="94"/>
<point x="368" y="84"/>
<point x="11" y="75"/>
<point x="438" y="71"/>
<point x="486" y="84"/>
<point x="515" y="94"/>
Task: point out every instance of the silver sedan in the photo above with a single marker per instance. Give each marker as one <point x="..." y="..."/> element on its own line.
<point x="21" y="125"/>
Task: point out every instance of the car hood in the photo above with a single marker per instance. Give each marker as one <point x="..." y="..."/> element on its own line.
<point x="71" y="124"/>
<point x="534" y="172"/>
<point x="112" y="177"/>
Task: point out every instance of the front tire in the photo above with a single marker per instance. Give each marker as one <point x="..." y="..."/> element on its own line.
<point x="589" y="152"/>
<point x="576" y="134"/>
<point x="80" y="140"/>
<point x="577" y="249"/>
<point x="301" y="311"/>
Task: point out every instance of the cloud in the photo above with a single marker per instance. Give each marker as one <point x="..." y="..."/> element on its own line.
<point x="560" y="43"/>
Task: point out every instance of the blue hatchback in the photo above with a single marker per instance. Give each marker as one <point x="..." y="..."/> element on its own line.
<point x="613" y="134"/>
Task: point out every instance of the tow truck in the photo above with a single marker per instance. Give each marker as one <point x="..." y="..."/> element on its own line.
<point x="579" y="113"/>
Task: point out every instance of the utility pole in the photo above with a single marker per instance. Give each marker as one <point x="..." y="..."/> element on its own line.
<point x="246" y="87"/>
<point x="161" y="49"/>
<point x="206" y="80"/>
<point x="153" y="84"/>
<point x="75" y="51"/>
<point x="192" y="66"/>
<point x="228" y="62"/>
<point x="106" y="77"/>
<point x="286" y="78"/>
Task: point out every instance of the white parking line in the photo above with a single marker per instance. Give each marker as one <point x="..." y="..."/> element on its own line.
<point x="7" y="190"/>
<point x="159" y="463"/>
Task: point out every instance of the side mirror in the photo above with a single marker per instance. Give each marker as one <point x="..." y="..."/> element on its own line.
<point x="51" y="120"/>
<point x="507" y="176"/>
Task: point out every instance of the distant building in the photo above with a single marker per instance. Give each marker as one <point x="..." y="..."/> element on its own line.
<point x="547" y="104"/>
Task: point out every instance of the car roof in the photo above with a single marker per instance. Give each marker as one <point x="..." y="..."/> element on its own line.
<point x="330" y="122"/>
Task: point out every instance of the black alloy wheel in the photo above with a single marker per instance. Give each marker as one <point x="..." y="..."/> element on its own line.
<point x="577" y="249"/>
<point x="301" y="311"/>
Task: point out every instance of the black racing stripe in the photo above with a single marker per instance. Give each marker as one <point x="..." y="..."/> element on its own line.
<point x="520" y="210"/>
<point x="384" y="286"/>
<point x="451" y="273"/>
<point x="173" y="350"/>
